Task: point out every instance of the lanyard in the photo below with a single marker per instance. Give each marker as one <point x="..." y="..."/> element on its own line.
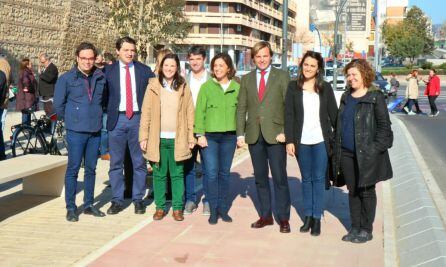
<point x="89" y="89"/>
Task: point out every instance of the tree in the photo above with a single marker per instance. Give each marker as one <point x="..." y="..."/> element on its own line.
<point x="417" y="23"/>
<point x="149" y="22"/>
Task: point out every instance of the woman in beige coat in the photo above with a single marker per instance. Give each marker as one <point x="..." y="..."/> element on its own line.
<point x="412" y="92"/>
<point x="166" y="133"/>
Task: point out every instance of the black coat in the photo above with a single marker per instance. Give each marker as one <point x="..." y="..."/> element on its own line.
<point x="373" y="138"/>
<point x="3" y="88"/>
<point x="47" y="80"/>
<point x="294" y="117"/>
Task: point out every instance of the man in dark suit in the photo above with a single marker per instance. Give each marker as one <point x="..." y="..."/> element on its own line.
<point x="48" y="74"/>
<point x="260" y="123"/>
<point x="127" y="80"/>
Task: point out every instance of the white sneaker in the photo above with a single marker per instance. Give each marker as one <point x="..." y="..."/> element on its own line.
<point x="406" y="109"/>
<point x="436" y="113"/>
<point x="411" y="113"/>
<point x="190" y="207"/>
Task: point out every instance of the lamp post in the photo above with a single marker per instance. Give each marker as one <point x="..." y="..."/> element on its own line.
<point x="285" y="35"/>
<point x="314" y="28"/>
<point x="335" y="50"/>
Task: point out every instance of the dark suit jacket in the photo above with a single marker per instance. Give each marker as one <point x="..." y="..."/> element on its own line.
<point x="294" y="114"/>
<point x="142" y="75"/>
<point x="47" y="80"/>
<point x="266" y="116"/>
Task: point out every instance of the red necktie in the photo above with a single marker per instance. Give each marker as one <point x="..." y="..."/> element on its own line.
<point x="128" y="93"/>
<point x="262" y="85"/>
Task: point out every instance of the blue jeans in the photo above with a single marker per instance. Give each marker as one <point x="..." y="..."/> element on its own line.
<point x="218" y="157"/>
<point x="81" y="145"/>
<point x="190" y="176"/>
<point x="104" y="136"/>
<point x="313" y="161"/>
<point x="26" y="118"/>
<point x="2" y="143"/>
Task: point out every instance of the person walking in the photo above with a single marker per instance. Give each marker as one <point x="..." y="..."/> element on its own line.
<point x="363" y="137"/>
<point x="310" y="116"/>
<point x="166" y="133"/>
<point x="27" y="90"/>
<point x="196" y="78"/>
<point x="127" y="81"/>
<point x="260" y="123"/>
<point x="78" y="100"/>
<point x="215" y="124"/>
<point x="432" y="91"/>
<point x="412" y="93"/>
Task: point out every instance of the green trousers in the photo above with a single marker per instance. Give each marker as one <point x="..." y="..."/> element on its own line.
<point x="167" y="165"/>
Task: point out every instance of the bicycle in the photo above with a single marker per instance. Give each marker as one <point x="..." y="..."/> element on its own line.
<point x="41" y="137"/>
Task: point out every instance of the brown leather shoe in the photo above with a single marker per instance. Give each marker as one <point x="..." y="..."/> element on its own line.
<point x="262" y="222"/>
<point x="159" y="214"/>
<point x="285" y="227"/>
<point x="178" y="215"/>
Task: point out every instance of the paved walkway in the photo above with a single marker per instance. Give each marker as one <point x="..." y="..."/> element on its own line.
<point x="194" y="242"/>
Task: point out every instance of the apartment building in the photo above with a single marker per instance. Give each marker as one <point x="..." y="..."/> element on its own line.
<point x="234" y="26"/>
<point x="396" y="10"/>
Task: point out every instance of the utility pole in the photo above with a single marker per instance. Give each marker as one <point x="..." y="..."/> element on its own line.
<point x="335" y="50"/>
<point x="285" y="35"/>
<point x="314" y="28"/>
<point x="377" y="36"/>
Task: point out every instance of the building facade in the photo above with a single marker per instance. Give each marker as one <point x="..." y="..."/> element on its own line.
<point x="234" y="26"/>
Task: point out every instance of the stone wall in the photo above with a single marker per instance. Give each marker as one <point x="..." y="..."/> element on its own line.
<point x="28" y="27"/>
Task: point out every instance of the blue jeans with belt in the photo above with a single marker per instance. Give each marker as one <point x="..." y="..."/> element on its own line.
<point x="81" y="145"/>
<point x="313" y="160"/>
<point x="218" y="157"/>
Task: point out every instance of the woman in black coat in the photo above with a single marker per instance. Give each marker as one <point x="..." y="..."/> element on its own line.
<point x="310" y="116"/>
<point x="363" y="136"/>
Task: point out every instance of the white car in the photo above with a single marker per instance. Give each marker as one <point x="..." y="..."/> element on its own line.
<point x="340" y="85"/>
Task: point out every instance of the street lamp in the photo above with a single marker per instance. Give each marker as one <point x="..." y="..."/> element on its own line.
<point x="314" y="28"/>
<point x="335" y="50"/>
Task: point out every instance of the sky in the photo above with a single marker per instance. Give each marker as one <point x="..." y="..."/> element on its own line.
<point x="435" y="9"/>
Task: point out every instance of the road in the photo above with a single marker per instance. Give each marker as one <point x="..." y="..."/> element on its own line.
<point x="429" y="135"/>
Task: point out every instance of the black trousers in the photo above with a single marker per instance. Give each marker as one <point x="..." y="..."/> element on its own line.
<point x="432" y="103"/>
<point x="362" y="200"/>
<point x="274" y="156"/>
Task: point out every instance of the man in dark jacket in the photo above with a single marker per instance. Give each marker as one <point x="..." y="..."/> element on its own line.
<point x="3" y="88"/>
<point x="78" y="100"/>
<point x="48" y="74"/>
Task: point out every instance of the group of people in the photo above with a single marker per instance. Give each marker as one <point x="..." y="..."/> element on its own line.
<point x="168" y="119"/>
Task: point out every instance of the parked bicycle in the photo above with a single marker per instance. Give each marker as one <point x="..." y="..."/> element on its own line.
<point x="45" y="135"/>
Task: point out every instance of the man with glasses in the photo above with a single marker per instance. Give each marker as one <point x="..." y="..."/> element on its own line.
<point x="126" y="85"/>
<point x="78" y="100"/>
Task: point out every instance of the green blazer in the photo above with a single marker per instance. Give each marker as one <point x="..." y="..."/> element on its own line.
<point x="267" y="116"/>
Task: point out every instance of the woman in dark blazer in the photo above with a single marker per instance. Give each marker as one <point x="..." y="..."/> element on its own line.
<point x="363" y="136"/>
<point x="27" y="93"/>
<point x="310" y="116"/>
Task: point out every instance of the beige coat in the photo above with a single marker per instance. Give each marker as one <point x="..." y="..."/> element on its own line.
<point x="412" y="87"/>
<point x="150" y="125"/>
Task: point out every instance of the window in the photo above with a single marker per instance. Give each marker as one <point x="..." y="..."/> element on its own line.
<point x="224" y="7"/>
<point x="238" y="7"/>
<point x="239" y="28"/>
<point x="202" y="7"/>
<point x="203" y="28"/>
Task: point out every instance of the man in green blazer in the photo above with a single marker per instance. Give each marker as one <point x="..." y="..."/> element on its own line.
<point x="260" y="123"/>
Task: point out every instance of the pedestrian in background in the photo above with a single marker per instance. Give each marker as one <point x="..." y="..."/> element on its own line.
<point x="78" y="100"/>
<point x="215" y="124"/>
<point x="394" y="84"/>
<point x="412" y="92"/>
<point x="6" y="69"/>
<point x="363" y="137"/>
<point x="166" y="133"/>
<point x="310" y="116"/>
<point x="48" y="74"/>
<point x="432" y="91"/>
<point x="27" y="90"/>
<point x="197" y="76"/>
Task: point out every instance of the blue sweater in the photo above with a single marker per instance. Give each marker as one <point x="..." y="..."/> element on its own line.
<point x="348" y="123"/>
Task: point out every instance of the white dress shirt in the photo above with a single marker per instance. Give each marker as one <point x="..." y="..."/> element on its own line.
<point x="311" y="131"/>
<point x="122" y="74"/>
<point x="195" y="85"/>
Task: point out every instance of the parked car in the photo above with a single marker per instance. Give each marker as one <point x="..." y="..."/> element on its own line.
<point x="382" y="83"/>
<point x="293" y="71"/>
<point x="340" y="84"/>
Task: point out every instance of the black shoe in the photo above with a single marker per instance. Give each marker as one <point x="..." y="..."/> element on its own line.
<point x="140" y="208"/>
<point x="94" y="211"/>
<point x="115" y="208"/>
<point x="316" y="227"/>
<point x="362" y="237"/>
<point x="225" y="217"/>
<point x="350" y="235"/>
<point x="72" y="216"/>
<point x="308" y="222"/>
<point x="213" y="218"/>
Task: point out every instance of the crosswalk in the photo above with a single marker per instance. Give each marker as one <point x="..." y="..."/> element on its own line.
<point x="423" y="101"/>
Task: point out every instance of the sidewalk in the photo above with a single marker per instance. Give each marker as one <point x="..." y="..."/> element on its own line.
<point x="194" y="242"/>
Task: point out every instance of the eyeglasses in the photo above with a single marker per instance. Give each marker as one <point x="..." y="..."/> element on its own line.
<point x="90" y="59"/>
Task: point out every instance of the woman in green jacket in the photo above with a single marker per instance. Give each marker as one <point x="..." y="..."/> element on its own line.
<point x="215" y="123"/>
